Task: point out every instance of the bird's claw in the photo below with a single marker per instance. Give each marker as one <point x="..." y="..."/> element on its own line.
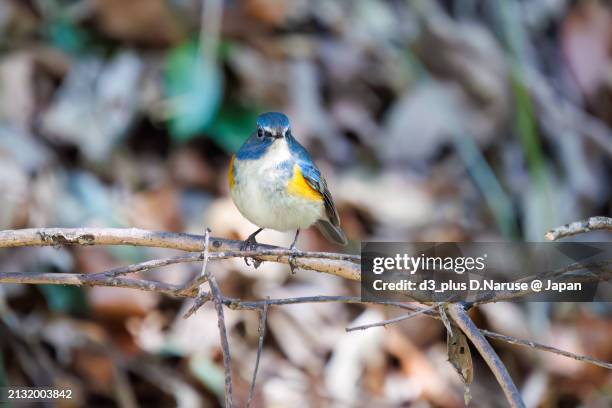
<point x="291" y="260"/>
<point x="250" y="244"/>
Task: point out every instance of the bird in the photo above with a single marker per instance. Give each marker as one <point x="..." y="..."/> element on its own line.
<point x="275" y="184"/>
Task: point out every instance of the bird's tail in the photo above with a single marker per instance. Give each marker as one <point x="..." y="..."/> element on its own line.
<point x="331" y="232"/>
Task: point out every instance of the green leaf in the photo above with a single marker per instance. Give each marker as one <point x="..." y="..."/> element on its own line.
<point x="232" y="127"/>
<point x="67" y="37"/>
<point x="208" y="373"/>
<point x="193" y="86"/>
<point x="69" y="299"/>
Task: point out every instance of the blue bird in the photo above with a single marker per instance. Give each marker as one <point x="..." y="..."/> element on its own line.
<point x="275" y="184"/>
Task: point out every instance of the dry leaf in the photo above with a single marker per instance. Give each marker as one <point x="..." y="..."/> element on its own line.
<point x="147" y="22"/>
<point x="460" y="357"/>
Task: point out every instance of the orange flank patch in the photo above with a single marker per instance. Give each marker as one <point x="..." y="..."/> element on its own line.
<point x="230" y="175"/>
<point x="299" y="186"/>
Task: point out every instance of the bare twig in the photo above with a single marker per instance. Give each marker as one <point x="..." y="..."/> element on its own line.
<point x="394" y="320"/>
<point x="579" y="227"/>
<point x="332" y="264"/>
<point x="342" y="265"/>
<point x="147" y="265"/>
<point x="217" y="298"/>
<point x="204" y="275"/>
<point x="430" y="312"/>
<point x="543" y="347"/>
<point x="460" y="318"/>
<point x="179" y="291"/>
<point x="577" y="272"/>
<point x="227" y="361"/>
<point x="262" y="333"/>
<point x="157" y="263"/>
<point x="258" y="304"/>
<point x="91" y="280"/>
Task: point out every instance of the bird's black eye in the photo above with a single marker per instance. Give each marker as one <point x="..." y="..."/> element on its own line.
<point x="260" y="133"/>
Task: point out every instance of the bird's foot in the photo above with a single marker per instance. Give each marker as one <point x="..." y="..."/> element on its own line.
<point x="250" y="244"/>
<point x="292" y="248"/>
<point x="291" y="260"/>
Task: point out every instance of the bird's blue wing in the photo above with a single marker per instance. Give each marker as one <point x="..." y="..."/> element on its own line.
<point x="314" y="178"/>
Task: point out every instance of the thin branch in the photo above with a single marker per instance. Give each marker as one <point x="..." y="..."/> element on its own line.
<point x="75" y="279"/>
<point x="147" y="265"/>
<point x="204" y="276"/>
<point x="157" y="263"/>
<point x="543" y="347"/>
<point x="262" y="333"/>
<point x="237" y="304"/>
<point x="394" y="320"/>
<point x="218" y="302"/>
<point x="178" y="291"/>
<point x="190" y="287"/>
<point x="463" y="321"/>
<point x="217" y="298"/>
<point x="429" y="311"/>
<point x="577" y="272"/>
<point x="579" y="227"/>
<point x="342" y="265"/>
<point x="227" y="361"/>
<point x="258" y="304"/>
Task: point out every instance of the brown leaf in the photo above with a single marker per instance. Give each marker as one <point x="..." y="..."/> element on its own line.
<point x="157" y="209"/>
<point x="147" y="22"/>
<point x="460" y="357"/>
<point x="96" y="368"/>
<point x="272" y="12"/>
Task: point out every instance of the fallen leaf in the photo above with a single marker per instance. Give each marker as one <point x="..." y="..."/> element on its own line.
<point x="460" y="357"/>
<point x="147" y="22"/>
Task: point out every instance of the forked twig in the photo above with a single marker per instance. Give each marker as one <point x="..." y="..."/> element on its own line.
<point x="342" y="265"/>
<point x="217" y="298"/>
<point x="393" y="320"/>
<point x="198" y="282"/>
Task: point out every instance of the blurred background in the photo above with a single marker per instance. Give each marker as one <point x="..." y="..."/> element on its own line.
<point x="452" y="120"/>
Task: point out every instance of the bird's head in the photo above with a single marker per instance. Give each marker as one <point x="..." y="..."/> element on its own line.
<point x="272" y="125"/>
<point x="272" y="130"/>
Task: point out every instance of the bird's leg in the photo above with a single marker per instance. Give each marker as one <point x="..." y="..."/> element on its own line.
<point x="291" y="259"/>
<point x="249" y="244"/>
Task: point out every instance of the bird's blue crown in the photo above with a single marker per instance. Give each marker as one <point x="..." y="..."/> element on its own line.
<point x="271" y="126"/>
<point x="273" y="120"/>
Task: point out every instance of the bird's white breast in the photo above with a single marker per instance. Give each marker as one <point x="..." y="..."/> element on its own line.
<point x="260" y="192"/>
